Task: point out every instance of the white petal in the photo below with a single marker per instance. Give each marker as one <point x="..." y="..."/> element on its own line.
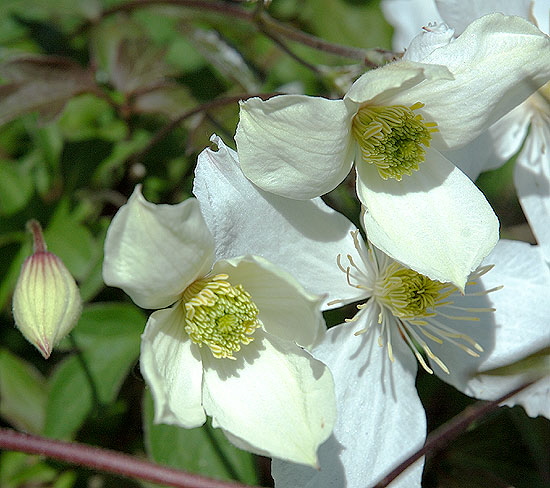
<point x="274" y="399"/>
<point x="407" y="18"/>
<point x="532" y="179"/>
<point x="380" y="421"/>
<point x="295" y="146"/>
<point x="477" y="156"/>
<point x="435" y="221"/>
<point x="432" y="37"/>
<point x="153" y="252"/>
<point x="172" y="368"/>
<point x="479" y="94"/>
<point x="540" y="15"/>
<point x="460" y="13"/>
<point x="518" y="328"/>
<point x="379" y="86"/>
<point x="508" y="134"/>
<point x="286" y="309"/>
<point x="302" y="237"/>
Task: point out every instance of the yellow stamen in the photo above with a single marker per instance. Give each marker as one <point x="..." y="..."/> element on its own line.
<point x="220" y="315"/>
<point x="393" y="138"/>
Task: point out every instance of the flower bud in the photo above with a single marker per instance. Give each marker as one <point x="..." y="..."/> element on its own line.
<point x="46" y="301"/>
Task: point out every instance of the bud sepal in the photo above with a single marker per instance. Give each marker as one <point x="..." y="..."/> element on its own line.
<point x="46" y="301"/>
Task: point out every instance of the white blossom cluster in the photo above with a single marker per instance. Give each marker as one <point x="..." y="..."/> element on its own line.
<point x="240" y="275"/>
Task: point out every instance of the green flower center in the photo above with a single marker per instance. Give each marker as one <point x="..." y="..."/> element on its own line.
<point x="219" y="315"/>
<point x="393" y="138"/>
<point x="410" y="295"/>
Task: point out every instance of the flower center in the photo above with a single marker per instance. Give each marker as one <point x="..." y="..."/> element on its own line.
<point x="393" y="138"/>
<point x="220" y="315"/>
<point x="408" y="294"/>
<point x="422" y="310"/>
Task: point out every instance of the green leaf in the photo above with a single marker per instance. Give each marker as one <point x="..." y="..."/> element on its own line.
<point x="40" y="84"/>
<point x="70" y="240"/>
<point x="203" y="450"/>
<point x="19" y="470"/>
<point x="89" y="117"/>
<point x="355" y="25"/>
<point x="16" y="187"/>
<point x="23" y="393"/>
<point x="70" y="399"/>
<point x="111" y="168"/>
<point x="109" y="336"/>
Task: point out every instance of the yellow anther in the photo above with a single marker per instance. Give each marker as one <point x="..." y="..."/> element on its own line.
<point x="393" y="138"/>
<point x="219" y="315"/>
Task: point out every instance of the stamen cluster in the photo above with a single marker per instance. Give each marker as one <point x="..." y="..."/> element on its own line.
<point x="393" y="138"/>
<point x="418" y="307"/>
<point x="219" y="315"/>
<point x="408" y="294"/>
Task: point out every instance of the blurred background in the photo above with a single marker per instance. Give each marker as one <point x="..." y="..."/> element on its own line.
<point x="97" y="96"/>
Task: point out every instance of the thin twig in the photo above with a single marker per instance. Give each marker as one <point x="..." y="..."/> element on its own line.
<point x="264" y="23"/>
<point x="107" y="460"/>
<point x="443" y="435"/>
<point x="219" y="102"/>
<point x="287" y="50"/>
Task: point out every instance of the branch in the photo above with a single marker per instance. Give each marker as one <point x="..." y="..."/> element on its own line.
<point x="107" y="460"/>
<point x="449" y="431"/>
<point x="264" y="23"/>
<point x="218" y="102"/>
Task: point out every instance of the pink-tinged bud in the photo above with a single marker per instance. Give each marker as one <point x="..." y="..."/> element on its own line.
<point x="46" y="301"/>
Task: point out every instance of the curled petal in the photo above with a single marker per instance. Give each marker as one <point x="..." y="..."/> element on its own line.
<point x="479" y="95"/>
<point x="302" y="237"/>
<point x="407" y="18"/>
<point x="379" y="86"/>
<point x="172" y="367"/>
<point x="286" y="309"/>
<point x="295" y="146"/>
<point x="153" y="252"/>
<point x="275" y="399"/>
<point x="380" y="418"/>
<point x="435" y="221"/>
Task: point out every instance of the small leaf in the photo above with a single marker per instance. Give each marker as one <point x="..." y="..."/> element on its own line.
<point x="40" y="83"/>
<point x="109" y="335"/>
<point x="16" y="187"/>
<point x="88" y="117"/>
<point x="70" y="399"/>
<point x="23" y="393"/>
<point x="203" y="450"/>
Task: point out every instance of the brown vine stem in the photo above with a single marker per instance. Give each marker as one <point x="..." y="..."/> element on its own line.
<point x="107" y="460"/>
<point x="264" y="23"/>
<point x="219" y="102"/>
<point x="443" y="435"/>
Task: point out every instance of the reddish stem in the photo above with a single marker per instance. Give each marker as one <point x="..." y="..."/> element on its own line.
<point x="39" y="244"/>
<point x="443" y="435"/>
<point x="107" y="460"/>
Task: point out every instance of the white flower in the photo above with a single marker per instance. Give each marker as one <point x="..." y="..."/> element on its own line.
<point x="230" y="344"/>
<point x="394" y="122"/>
<point x="524" y="131"/>
<point x="380" y="420"/>
<point x="380" y="417"/>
